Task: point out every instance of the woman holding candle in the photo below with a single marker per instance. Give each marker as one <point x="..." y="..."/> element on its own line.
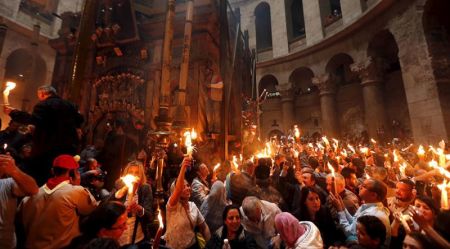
<point x="183" y="216"/>
<point x="138" y="201"/>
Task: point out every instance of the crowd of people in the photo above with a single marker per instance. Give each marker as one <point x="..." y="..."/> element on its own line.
<point x="298" y="192"/>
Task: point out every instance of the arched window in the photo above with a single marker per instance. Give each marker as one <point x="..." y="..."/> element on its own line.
<point x="263" y="26"/>
<point x="298" y="20"/>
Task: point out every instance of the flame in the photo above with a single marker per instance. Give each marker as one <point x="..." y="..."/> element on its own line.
<point x="364" y="150"/>
<point x="160" y="220"/>
<point x="9" y="86"/>
<point x="344" y="153"/>
<point x="310" y="145"/>
<point x="235" y="163"/>
<point x="129" y="181"/>
<point x="441" y="157"/>
<point x="216" y="167"/>
<point x="373" y="141"/>
<point x="351" y="148"/>
<point x="402" y="169"/>
<point x="193" y="134"/>
<point x="420" y="151"/>
<point x="444" y="194"/>
<point x="188" y="143"/>
<point x="330" y="167"/>
<point x="77" y="158"/>
<point x="395" y="156"/>
<point x="433" y="164"/>
<point x="268" y="149"/>
<point x="5" y="145"/>
<point x="296" y="132"/>
<point x="241" y="158"/>
<point x="325" y="140"/>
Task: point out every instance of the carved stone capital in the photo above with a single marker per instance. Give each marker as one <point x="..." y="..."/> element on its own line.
<point x="325" y="84"/>
<point x="370" y="70"/>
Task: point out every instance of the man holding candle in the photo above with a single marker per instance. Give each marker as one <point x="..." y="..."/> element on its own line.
<point x="336" y="185"/>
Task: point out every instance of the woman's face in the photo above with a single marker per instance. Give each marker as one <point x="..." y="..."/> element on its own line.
<point x="312" y="202"/>
<point x="233" y="220"/>
<point x="116" y="230"/>
<point x="186" y="193"/>
<point x="425" y="210"/>
<point x="411" y="243"/>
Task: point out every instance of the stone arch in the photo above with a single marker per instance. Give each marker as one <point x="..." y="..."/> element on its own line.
<point x="263" y="26"/>
<point x="306" y="100"/>
<point x="295" y="19"/>
<point x="383" y="49"/>
<point x="436" y="25"/>
<point x="339" y="69"/>
<point x="275" y="132"/>
<point x="28" y="69"/>
<point x="349" y="97"/>
<point x="268" y="82"/>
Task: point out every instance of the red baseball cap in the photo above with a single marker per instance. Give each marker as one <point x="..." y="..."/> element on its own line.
<point x="65" y="162"/>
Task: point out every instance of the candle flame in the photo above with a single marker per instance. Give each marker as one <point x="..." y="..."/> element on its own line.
<point x="364" y="150"/>
<point x="296" y="132"/>
<point x="373" y="141"/>
<point x="188" y="143"/>
<point x="344" y="153"/>
<point x="395" y="156"/>
<point x="402" y="169"/>
<point x="9" y="86"/>
<point x="444" y="195"/>
<point x="330" y="167"/>
<point x="129" y="181"/>
<point x="5" y="145"/>
<point x="216" y="167"/>
<point x="160" y="220"/>
<point x="420" y="151"/>
<point x="351" y="148"/>
<point x="193" y="134"/>
<point x="325" y="140"/>
<point x="235" y="163"/>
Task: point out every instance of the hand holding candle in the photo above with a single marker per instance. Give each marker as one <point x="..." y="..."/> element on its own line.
<point x="159" y="232"/>
<point x="9" y="86"/>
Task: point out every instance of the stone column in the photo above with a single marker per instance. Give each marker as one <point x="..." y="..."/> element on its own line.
<point x="351" y="9"/>
<point x="287" y="105"/>
<point x="280" y="44"/>
<point x="3" y="30"/>
<point x="313" y="21"/>
<point x="371" y="74"/>
<point x="327" y="93"/>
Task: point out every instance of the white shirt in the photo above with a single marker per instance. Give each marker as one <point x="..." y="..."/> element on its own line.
<point x="179" y="233"/>
<point x="311" y="239"/>
<point x="348" y="222"/>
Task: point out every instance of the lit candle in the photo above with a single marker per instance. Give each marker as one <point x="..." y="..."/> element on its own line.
<point x="444" y="195"/>
<point x="373" y="141"/>
<point x="159" y="232"/>
<point x="216" y="167"/>
<point x="235" y="163"/>
<point x="129" y="181"/>
<point x="9" y="86"/>
<point x="188" y="143"/>
<point x="441" y="157"/>
<point x="193" y="134"/>
<point x="325" y="140"/>
<point x="402" y="169"/>
<point x="296" y="132"/>
<point x="335" y="144"/>
<point x="330" y="167"/>
<point x="351" y="148"/>
<point x="420" y="152"/>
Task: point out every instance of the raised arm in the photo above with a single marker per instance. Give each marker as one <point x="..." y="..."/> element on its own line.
<point x="175" y="196"/>
<point x="24" y="184"/>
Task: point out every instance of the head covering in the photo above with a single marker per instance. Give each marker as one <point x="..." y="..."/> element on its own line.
<point x="213" y="206"/>
<point x="65" y="162"/>
<point x="289" y="228"/>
